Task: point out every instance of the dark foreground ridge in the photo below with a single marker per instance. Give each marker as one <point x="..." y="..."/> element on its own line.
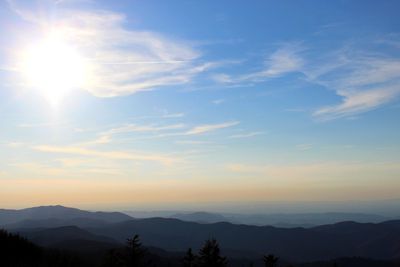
<point x="18" y="251"/>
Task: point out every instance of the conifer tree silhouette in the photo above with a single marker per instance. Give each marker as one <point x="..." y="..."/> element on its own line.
<point x="135" y="252"/>
<point x="189" y="259"/>
<point x="210" y="255"/>
<point x="113" y="259"/>
<point x="270" y="260"/>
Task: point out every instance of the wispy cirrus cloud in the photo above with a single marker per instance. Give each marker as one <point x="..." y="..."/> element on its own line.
<point x="173" y="115"/>
<point x="304" y="147"/>
<point x="284" y="60"/>
<point x="192" y="142"/>
<point x="153" y="131"/>
<point x="357" y="102"/>
<point x="101" y="140"/>
<point x="246" y="135"/>
<point x="117" y="155"/>
<point x="129" y="128"/>
<point x="201" y="129"/>
<point x="364" y="81"/>
<point x="218" y="101"/>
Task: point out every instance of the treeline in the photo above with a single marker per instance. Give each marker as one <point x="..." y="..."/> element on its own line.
<point x="16" y="251"/>
<point x="209" y="255"/>
<point x="134" y="255"/>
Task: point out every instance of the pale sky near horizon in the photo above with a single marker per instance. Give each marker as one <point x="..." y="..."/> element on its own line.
<point x="118" y="103"/>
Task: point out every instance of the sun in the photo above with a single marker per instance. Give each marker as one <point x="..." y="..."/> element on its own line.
<point x="54" y="68"/>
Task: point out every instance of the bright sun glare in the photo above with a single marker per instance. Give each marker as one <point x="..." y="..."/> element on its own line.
<point x="54" y="69"/>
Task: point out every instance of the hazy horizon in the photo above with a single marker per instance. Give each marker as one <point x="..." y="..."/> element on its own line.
<point x="389" y="208"/>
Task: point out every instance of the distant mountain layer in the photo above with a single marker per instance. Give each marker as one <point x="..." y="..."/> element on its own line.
<point x="201" y="217"/>
<point x="280" y="220"/>
<point x="345" y="239"/>
<point x="60" y="213"/>
<point x="287" y="220"/>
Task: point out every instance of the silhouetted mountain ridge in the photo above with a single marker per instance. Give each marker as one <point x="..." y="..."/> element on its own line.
<point x="380" y="241"/>
<point x="201" y="217"/>
<point x="8" y="216"/>
<point x="278" y="219"/>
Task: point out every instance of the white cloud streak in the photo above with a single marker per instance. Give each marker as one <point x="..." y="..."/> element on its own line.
<point x="157" y="131"/>
<point x="218" y="101"/>
<point x="284" y="60"/>
<point x="173" y="115"/>
<point x="202" y="129"/>
<point x="246" y="135"/>
<point x="118" y="155"/>
<point x="357" y="102"/>
<point x="129" y="128"/>
<point x="304" y="147"/>
<point x="364" y="82"/>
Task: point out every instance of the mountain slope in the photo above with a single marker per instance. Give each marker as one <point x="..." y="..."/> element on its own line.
<point x="380" y="241"/>
<point x="8" y="217"/>
<point x="56" y="237"/>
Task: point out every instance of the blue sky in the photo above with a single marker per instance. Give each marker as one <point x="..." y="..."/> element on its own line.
<point x="199" y="101"/>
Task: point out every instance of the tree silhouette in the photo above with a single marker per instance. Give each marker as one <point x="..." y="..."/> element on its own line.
<point x="270" y="260"/>
<point x="113" y="259"/>
<point x="189" y="259"/>
<point x="135" y="252"/>
<point x="210" y="255"/>
<point x="17" y="251"/>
